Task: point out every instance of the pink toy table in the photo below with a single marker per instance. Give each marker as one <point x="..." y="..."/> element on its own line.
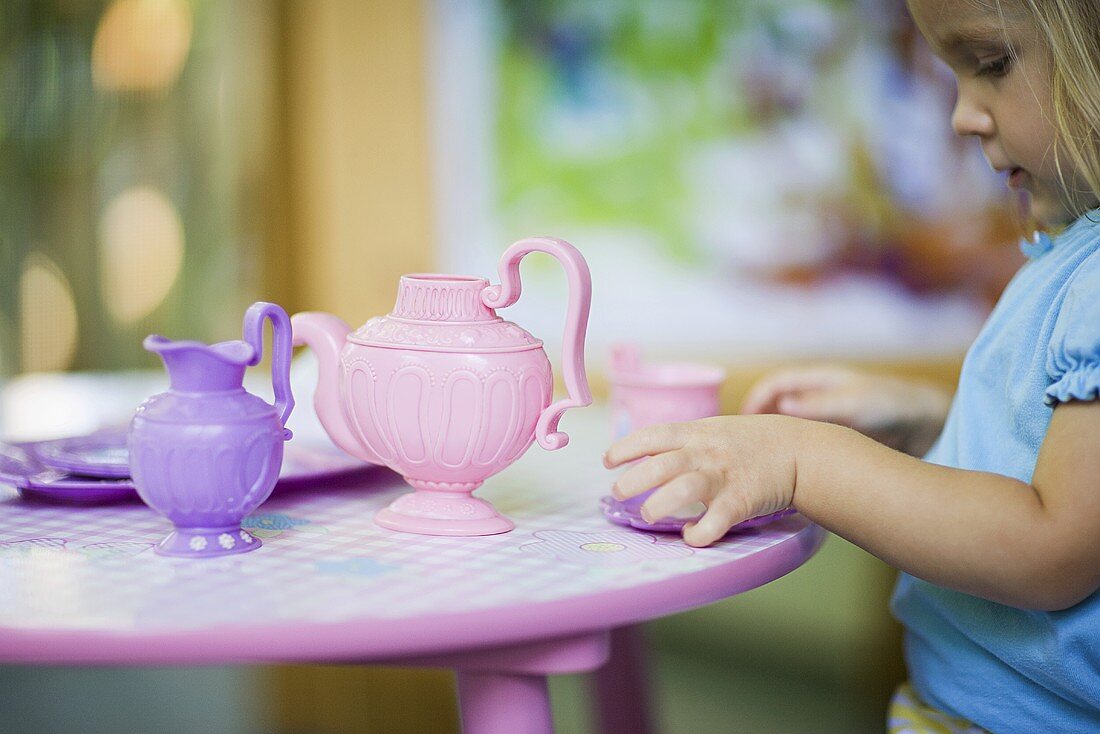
<point x="81" y="585"/>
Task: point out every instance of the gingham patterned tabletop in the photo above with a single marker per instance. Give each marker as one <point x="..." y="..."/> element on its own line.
<point x="73" y="569"/>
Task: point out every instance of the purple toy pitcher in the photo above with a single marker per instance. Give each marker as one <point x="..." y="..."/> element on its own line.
<point x="206" y="453"/>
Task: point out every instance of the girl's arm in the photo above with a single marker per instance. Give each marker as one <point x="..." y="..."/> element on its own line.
<point x="1033" y="546"/>
<point x="903" y="414"/>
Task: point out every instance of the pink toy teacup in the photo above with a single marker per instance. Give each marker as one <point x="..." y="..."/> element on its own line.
<point x="661" y="392"/>
<point x="648" y="394"/>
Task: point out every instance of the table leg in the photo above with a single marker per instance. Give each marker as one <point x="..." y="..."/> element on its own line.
<point x="503" y="690"/>
<point x="621" y="685"/>
<point x="504" y="703"/>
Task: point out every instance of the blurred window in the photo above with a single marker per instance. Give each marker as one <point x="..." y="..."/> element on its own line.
<point x="135" y="154"/>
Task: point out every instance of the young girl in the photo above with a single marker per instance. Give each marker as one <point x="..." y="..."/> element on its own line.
<point x="997" y="530"/>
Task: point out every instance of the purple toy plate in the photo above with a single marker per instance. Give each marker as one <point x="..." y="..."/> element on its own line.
<point x="20" y="467"/>
<point x="24" y="467"/>
<point x="57" y="486"/>
<point x="101" y="454"/>
<point x="308" y="462"/>
<point x="616" y="511"/>
<point x="16" y="463"/>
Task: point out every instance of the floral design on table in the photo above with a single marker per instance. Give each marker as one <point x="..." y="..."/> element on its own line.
<point x="362" y="567"/>
<point x="609" y="548"/>
<point x="114" y="549"/>
<point x="31" y="545"/>
<point x="272" y="524"/>
<point x="96" y="551"/>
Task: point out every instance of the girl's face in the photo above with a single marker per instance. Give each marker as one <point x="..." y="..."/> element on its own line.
<point x="1003" y="70"/>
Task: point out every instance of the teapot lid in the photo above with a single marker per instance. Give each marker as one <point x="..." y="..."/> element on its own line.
<point x="443" y="313"/>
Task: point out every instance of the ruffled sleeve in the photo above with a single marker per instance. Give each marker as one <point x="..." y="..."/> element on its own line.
<point x="1073" y="360"/>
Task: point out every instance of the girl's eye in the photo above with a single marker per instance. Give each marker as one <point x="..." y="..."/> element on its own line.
<point x="996" y="68"/>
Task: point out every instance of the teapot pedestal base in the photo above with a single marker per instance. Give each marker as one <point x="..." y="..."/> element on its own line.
<point x="207" y="542"/>
<point x="427" y="512"/>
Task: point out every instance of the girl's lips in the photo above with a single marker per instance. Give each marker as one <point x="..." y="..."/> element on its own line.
<point x="1016" y="178"/>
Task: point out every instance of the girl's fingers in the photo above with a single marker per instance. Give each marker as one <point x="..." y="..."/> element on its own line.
<point x="709" y="529"/>
<point x="684" y="490"/>
<point x="645" y="442"/>
<point x="653" y="472"/>
<point x="765" y="395"/>
<point x="836" y="406"/>
<point x="762" y="396"/>
<point x="722" y="513"/>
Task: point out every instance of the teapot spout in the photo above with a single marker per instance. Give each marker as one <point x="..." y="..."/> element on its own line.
<point x="325" y="334"/>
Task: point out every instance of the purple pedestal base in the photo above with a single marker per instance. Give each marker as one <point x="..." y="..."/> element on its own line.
<point x="207" y="542"/>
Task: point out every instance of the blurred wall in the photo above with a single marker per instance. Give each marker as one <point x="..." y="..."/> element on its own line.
<point x="55" y="700"/>
<point x="358" y="152"/>
<point x="359" y="196"/>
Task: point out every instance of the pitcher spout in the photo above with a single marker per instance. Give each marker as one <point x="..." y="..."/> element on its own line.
<point x="196" y="367"/>
<point x="325" y="334"/>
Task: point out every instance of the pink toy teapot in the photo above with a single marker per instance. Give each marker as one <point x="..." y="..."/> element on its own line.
<point x="444" y="391"/>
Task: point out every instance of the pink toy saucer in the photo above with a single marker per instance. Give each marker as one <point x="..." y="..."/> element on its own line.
<point x="619" y="513"/>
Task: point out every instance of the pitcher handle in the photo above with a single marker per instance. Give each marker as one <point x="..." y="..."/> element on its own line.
<point x="576" y="322"/>
<point x="281" y="351"/>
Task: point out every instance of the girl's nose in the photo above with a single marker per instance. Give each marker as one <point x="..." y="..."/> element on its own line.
<point x="970" y="118"/>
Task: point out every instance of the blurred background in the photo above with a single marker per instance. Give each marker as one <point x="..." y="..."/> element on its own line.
<point x="754" y="182"/>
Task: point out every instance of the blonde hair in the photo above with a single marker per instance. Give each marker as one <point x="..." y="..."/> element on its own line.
<point x="1072" y="31"/>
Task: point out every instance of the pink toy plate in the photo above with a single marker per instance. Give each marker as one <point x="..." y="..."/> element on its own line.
<point x="94" y="475"/>
<point x="617" y="512"/>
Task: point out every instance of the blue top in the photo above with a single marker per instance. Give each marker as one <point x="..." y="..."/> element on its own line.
<point x="1008" y="669"/>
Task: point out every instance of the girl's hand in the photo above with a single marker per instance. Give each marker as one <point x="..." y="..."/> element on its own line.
<point x="904" y="415"/>
<point x="739" y="467"/>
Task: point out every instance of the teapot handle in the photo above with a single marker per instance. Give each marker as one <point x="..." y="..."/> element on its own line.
<point x="576" y="322"/>
<point x="281" y="351"/>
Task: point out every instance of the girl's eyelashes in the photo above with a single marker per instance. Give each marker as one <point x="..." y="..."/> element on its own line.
<point x="995" y="68"/>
